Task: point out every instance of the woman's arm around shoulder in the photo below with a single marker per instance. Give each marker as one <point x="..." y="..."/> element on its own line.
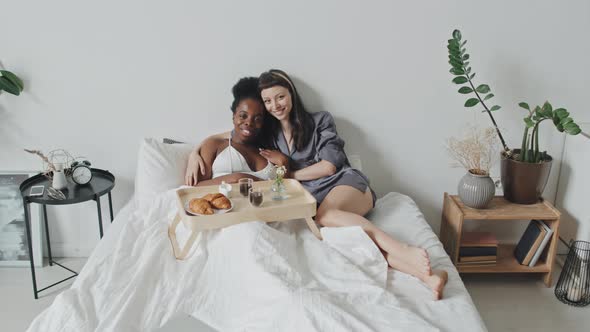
<point x="195" y="161"/>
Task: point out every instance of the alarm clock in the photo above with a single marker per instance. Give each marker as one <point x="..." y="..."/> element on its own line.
<point x="81" y="173"/>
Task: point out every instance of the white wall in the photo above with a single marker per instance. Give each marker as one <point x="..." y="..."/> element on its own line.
<point x="572" y="192"/>
<point x="100" y="75"/>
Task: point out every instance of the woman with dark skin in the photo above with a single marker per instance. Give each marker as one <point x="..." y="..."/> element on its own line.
<point x="238" y="156"/>
<point x="309" y="145"/>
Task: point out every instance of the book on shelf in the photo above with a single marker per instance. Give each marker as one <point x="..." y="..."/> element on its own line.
<point x="477" y="258"/>
<point x="479" y="239"/>
<point x="539" y="252"/>
<point x="482" y="263"/>
<point x="477" y="251"/>
<point x="529" y="242"/>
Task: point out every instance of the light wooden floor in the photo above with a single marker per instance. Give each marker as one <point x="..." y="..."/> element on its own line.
<point x="506" y="302"/>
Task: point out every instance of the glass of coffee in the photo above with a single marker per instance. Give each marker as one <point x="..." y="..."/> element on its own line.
<point x="256" y="197"/>
<point x="245" y="185"/>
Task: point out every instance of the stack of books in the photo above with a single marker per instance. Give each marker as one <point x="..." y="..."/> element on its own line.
<point x="532" y="243"/>
<point x="478" y="249"/>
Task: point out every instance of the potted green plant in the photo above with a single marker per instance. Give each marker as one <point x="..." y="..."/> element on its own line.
<point x="524" y="171"/>
<point x="10" y="83"/>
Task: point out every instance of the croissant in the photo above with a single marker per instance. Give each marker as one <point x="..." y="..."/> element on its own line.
<point x="213" y="196"/>
<point x="221" y="203"/>
<point x="200" y="206"/>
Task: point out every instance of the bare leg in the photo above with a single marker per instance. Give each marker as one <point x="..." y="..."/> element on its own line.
<point x="346" y="206"/>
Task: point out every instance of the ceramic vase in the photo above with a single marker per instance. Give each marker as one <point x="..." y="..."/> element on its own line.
<point x="476" y="191"/>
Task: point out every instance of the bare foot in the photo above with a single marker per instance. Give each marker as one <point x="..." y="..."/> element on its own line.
<point x="437" y="282"/>
<point x="412" y="260"/>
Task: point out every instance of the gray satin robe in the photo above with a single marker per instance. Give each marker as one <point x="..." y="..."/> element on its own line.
<point x="325" y="144"/>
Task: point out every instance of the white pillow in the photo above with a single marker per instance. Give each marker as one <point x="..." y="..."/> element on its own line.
<point x="160" y="167"/>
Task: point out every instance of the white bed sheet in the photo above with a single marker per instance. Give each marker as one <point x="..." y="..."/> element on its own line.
<point x="395" y="213"/>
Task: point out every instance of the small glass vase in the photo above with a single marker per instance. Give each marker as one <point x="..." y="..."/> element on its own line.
<point x="278" y="191"/>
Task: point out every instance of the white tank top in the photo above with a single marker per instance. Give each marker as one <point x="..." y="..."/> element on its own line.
<point x="230" y="160"/>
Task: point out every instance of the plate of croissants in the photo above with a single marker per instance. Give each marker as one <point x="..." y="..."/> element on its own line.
<point x="209" y="204"/>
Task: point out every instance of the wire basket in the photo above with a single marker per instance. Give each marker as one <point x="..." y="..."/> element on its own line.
<point x="573" y="286"/>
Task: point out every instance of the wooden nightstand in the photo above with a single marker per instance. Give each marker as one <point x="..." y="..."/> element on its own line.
<point x="455" y="213"/>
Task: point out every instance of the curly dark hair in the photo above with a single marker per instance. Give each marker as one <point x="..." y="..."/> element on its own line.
<point x="299" y="118"/>
<point x="246" y="87"/>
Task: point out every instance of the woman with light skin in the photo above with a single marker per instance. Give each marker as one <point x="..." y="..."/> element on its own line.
<point x="308" y="144"/>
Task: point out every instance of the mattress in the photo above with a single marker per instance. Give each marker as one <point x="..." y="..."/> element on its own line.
<point x="400" y="297"/>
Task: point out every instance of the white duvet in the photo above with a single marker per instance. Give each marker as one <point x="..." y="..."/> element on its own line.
<point x="259" y="277"/>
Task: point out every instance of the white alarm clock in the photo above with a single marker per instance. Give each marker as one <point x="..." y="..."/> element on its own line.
<point x="81" y="172"/>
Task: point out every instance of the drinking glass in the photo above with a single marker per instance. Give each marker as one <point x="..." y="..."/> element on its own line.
<point x="256" y="197"/>
<point x="245" y="186"/>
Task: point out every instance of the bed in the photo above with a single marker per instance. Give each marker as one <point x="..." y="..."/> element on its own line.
<point x="258" y="277"/>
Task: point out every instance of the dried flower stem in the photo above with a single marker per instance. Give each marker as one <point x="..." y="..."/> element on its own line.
<point x="476" y="151"/>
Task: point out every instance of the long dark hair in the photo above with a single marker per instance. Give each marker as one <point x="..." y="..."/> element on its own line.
<point x="299" y="118"/>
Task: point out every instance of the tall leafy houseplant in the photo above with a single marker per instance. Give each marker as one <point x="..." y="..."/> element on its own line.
<point x="10" y="83"/>
<point x="522" y="184"/>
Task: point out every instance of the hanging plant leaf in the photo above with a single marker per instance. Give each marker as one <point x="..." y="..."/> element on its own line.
<point x="460" y="80"/>
<point x="471" y="76"/>
<point x="529" y="123"/>
<point x="13" y="78"/>
<point x="488" y="96"/>
<point x="471" y="102"/>
<point x="465" y="90"/>
<point x="483" y="88"/>
<point x="465" y="57"/>
<point x="457" y="71"/>
<point x="8" y="86"/>
<point x="457" y="34"/>
<point x="495" y="108"/>
<point x="524" y="105"/>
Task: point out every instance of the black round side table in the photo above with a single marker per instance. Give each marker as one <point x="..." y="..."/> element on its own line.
<point x="102" y="183"/>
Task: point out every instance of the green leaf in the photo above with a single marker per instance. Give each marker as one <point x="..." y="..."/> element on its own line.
<point x="457" y="71"/>
<point x="471" y="76"/>
<point x="495" y="108"/>
<point x="465" y="57"/>
<point x="463" y="50"/>
<point x="547" y="109"/>
<point x="8" y="86"/>
<point x="471" y="102"/>
<point x="529" y="123"/>
<point x="524" y="105"/>
<point x="460" y="80"/>
<point x="559" y="127"/>
<point x="488" y="96"/>
<point x="465" y="90"/>
<point x="466" y="63"/>
<point x="565" y="121"/>
<point x="561" y="113"/>
<point x="484" y="88"/>
<point x="13" y="78"/>
<point x="456" y="64"/>
<point x="467" y="70"/>
<point x="457" y="35"/>
<point x="572" y="129"/>
<point x="463" y="43"/>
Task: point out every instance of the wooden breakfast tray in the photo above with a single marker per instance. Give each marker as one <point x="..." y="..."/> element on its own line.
<point x="299" y="204"/>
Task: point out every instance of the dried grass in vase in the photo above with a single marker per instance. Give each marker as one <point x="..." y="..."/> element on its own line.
<point x="476" y="151"/>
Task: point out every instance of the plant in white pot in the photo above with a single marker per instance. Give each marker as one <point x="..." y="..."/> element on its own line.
<point x="524" y="171"/>
<point x="475" y="153"/>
